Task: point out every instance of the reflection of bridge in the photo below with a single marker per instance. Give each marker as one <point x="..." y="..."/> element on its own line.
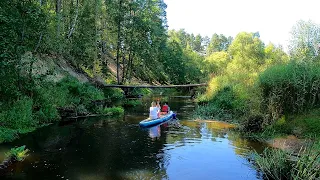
<point x="127" y="88"/>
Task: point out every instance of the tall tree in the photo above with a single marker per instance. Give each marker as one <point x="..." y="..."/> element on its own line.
<point x="305" y="41"/>
<point x="218" y="43"/>
<point x="197" y="44"/>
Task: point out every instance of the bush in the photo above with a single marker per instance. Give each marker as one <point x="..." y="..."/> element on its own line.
<point x="18" y="115"/>
<point x="290" y="88"/>
<point x="7" y="135"/>
<point x="113" y="94"/>
<point x="79" y="96"/>
<point x="80" y="93"/>
<point x="133" y="103"/>
<point x="224" y="105"/>
<point x="114" y="111"/>
<point x="253" y="123"/>
<point x="19" y="153"/>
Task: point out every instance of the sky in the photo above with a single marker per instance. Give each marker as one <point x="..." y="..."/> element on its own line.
<point x="273" y="19"/>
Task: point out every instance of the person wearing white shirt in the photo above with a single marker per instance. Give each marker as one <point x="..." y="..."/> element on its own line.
<point x="154" y="111"/>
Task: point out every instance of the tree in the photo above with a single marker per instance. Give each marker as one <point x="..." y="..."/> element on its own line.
<point x="275" y="55"/>
<point x="305" y="41"/>
<point x="247" y="49"/>
<point x="218" y="43"/>
<point x="197" y="44"/>
<point x="217" y="62"/>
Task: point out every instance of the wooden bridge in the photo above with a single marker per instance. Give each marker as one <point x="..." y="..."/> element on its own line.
<point x="153" y="86"/>
<point x="128" y="88"/>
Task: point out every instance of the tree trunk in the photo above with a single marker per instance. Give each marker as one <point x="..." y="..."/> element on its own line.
<point x="119" y="40"/>
<point x="73" y="26"/>
<point x="124" y="68"/>
<point x="58" y="13"/>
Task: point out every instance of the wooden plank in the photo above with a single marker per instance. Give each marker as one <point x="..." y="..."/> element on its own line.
<point x="152" y="86"/>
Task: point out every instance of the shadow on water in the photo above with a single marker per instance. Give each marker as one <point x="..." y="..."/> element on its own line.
<point x="117" y="148"/>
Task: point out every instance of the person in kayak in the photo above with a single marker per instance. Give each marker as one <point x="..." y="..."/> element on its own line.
<point x="154" y="111"/>
<point x="165" y="108"/>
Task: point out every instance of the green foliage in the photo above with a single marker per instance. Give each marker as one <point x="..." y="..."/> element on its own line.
<point x="18" y="115"/>
<point x="307" y="166"/>
<point x="273" y="163"/>
<point x="252" y="123"/>
<point x="7" y="135"/>
<point x="290" y="88"/>
<point x="224" y="105"/>
<point x="133" y="103"/>
<point x="79" y="93"/>
<point x="113" y="94"/>
<point x="278" y="164"/>
<point x="218" y="43"/>
<point x="304" y="43"/>
<point x="217" y="62"/>
<point x="113" y="111"/>
<point x="18" y="153"/>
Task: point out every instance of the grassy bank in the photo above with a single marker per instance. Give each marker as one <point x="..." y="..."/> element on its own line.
<point x="278" y="164"/>
<point x="268" y="96"/>
<point x="48" y="100"/>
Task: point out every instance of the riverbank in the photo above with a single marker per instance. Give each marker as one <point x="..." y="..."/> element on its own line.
<point x="131" y="152"/>
<point x="50" y="101"/>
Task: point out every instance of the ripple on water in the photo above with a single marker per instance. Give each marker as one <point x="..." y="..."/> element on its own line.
<point x="119" y="149"/>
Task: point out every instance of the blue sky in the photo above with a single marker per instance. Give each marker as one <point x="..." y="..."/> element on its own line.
<point x="273" y="19"/>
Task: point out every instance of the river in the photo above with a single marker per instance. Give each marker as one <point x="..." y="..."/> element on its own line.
<point x="117" y="148"/>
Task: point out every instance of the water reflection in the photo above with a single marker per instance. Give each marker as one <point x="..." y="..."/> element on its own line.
<point x="102" y="148"/>
<point x="154" y="132"/>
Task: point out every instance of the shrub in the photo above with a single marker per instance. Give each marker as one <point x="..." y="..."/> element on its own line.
<point x="224" y="105"/>
<point x="113" y="111"/>
<point x="113" y="94"/>
<point x="133" y="103"/>
<point x="290" y="88"/>
<point x="79" y="96"/>
<point x="18" y="115"/>
<point x="19" y="153"/>
<point x="7" y="135"/>
<point x="253" y="123"/>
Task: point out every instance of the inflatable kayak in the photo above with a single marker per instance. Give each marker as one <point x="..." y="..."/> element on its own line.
<point x="151" y="122"/>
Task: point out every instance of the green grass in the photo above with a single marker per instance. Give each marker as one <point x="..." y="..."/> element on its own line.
<point x="273" y="163"/>
<point x="305" y="125"/>
<point x="278" y="164"/>
<point x="18" y="153"/>
<point x="309" y="123"/>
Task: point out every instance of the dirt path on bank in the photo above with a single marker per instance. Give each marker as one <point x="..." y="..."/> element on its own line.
<point x="289" y="143"/>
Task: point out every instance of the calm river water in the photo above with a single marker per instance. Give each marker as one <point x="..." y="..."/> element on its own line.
<point x="102" y="148"/>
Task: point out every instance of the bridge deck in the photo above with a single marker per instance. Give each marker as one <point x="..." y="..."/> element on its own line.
<point x="153" y="86"/>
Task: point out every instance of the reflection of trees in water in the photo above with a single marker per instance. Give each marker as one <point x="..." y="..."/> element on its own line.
<point x="117" y="148"/>
<point x="243" y="146"/>
<point x="195" y="131"/>
<point x="99" y="146"/>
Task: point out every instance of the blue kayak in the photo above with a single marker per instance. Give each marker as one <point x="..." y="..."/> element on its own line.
<point x="148" y="122"/>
